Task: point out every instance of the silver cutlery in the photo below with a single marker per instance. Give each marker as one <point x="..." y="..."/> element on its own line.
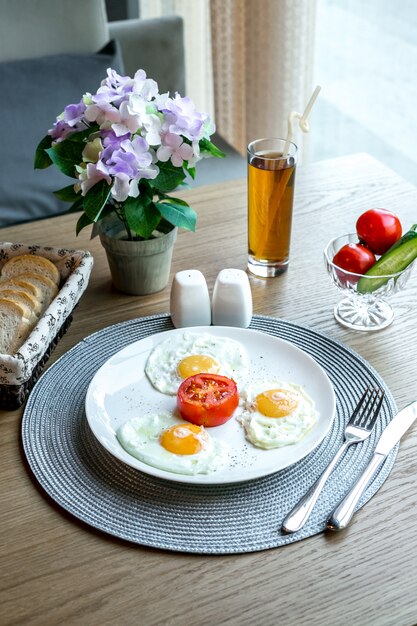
<point x="358" y="429"/>
<point x="391" y="435"/>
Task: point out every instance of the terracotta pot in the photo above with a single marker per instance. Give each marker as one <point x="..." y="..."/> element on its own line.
<point x="137" y="267"/>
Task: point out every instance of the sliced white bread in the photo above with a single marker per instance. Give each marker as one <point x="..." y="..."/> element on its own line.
<point x="47" y="287"/>
<point x="20" y="298"/>
<point x="14" y="326"/>
<point x="23" y="297"/>
<point x="24" y="263"/>
<point x="19" y="284"/>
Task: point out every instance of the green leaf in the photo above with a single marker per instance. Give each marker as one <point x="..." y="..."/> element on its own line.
<point x="77" y="205"/>
<point x="96" y="199"/>
<point x="67" y="194"/>
<point x="142" y="216"/>
<point x="208" y="146"/>
<point x="82" y="223"/>
<point x="146" y="190"/>
<point x="169" y="177"/>
<point x="190" y="169"/>
<point x="66" y="155"/>
<point x="178" y="213"/>
<point x="42" y="159"/>
<point x="175" y="200"/>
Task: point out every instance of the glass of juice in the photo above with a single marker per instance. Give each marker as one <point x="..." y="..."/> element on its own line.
<point x="271" y="178"/>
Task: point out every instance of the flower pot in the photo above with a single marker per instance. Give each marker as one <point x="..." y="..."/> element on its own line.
<point x="137" y="267"/>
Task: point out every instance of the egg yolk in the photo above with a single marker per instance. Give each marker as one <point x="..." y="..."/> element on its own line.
<point x="183" y="439"/>
<point x="277" y="402"/>
<point x="196" y="364"/>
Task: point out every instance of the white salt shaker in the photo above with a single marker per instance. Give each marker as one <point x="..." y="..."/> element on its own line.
<point x="232" y="299"/>
<point x="190" y="300"/>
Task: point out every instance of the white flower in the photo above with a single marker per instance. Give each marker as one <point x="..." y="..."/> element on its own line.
<point x="151" y="121"/>
<point x="145" y="87"/>
<point x="128" y="122"/>
<point x="121" y="187"/>
<point x="91" y="175"/>
<point x="174" y="148"/>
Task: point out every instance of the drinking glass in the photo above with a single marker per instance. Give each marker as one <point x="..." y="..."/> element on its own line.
<point x="271" y="178"/>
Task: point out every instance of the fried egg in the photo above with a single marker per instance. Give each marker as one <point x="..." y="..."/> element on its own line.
<point x="276" y="414"/>
<point x="165" y="442"/>
<point x="187" y="354"/>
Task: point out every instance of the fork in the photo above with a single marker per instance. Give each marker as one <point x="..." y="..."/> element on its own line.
<point x="358" y="429"/>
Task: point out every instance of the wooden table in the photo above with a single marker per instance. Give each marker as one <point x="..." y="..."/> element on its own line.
<point x="56" y="570"/>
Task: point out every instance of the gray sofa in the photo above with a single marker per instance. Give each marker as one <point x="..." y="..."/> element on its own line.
<point x="53" y="51"/>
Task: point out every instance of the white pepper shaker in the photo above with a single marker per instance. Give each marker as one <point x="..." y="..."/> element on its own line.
<point x="190" y="300"/>
<point x="232" y="299"/>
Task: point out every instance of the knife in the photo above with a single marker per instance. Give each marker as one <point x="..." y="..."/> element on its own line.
<point x="391" y="435"/>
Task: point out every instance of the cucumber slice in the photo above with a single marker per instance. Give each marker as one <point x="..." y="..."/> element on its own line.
<point x="395" y="260"/>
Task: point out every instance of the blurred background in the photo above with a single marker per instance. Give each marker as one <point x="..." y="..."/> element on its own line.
<point x="366" y="61"/>
<point x="247" y="63"/>
<point x="363" y="54"/>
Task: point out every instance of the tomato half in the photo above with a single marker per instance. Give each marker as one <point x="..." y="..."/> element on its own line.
<point x="207" y="399"/>
<point x="378" y="229"/>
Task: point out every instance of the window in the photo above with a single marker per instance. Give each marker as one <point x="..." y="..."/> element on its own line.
<point x="366" y="62"/>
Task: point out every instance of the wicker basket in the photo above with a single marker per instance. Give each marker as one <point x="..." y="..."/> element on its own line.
<point x="19" y="372"/>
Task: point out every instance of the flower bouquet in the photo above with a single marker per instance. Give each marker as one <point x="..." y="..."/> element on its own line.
<point x="128" y="146"/>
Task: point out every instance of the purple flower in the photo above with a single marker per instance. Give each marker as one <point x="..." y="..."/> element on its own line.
<point x="116" y="82"/>
<point x="140" y="149"/>
<point x="184" y="119"/>
<point x="128" y="164"/>
<point x="114" y="88"/>
<point x="130" y="157"/>
<point x="60" y="130"/>
<point x="73" y="113"/>
<point x="123" y="163"/>
<point x="111" y="142"/>
<point x="138" y="127"/>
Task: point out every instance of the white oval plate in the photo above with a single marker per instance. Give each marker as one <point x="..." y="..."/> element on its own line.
<point x="120" y="390"/>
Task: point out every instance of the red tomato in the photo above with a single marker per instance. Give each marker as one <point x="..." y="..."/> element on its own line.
<point x="353" y="257"/>
<point x="378" y="229"/>
<point x="207" y="399"/>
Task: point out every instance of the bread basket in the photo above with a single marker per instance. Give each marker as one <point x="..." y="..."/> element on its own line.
<point x="19" y="372"/>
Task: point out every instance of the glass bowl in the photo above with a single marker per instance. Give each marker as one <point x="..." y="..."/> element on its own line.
<point x="364" y="306"/>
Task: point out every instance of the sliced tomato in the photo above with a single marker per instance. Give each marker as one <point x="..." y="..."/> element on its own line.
<point x="207" y="399"/>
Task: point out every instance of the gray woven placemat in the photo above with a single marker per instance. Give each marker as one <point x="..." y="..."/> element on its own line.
<point x="82" y="477"/>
